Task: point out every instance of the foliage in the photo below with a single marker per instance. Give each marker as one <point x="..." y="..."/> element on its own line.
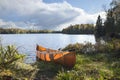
<point x="77" y="47"/>
<point x="116" y="13"/>
<point x="99" y="28"/>
<point x="11" y="31"/>
<point x="112" y="23"/>
<point x="109" y="23"/>
<point x="11" y="64"/>
<point x="79" y="29"/>
<point x="6" y="73"/>
<point x="81" y="48"/>
<point x="111" y="27"/>
<point x="23" y="70"/>
<point x="8" y="55"/>
<point x="23" y="31"/>
<point x="110" y="46"/>
<point x="88" y="48"/>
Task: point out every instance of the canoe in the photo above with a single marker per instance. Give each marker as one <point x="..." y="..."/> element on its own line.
<point x="66" y="58"/>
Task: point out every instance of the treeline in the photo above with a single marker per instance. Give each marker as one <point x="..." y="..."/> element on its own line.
<point x="111" y="26"/>
<point x="72" y="29"/>
<point x="79" y="29"/>
<point x="24" y="31"/>
<point x="11" y="31"/>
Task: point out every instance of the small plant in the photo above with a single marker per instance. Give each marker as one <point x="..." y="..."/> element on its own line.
<point x="81" y="48"/>
<point x="76" y="47"/>
<point x="12" y="66"/>
<point x="23" y="70"/>
<point x="8" y="55"/>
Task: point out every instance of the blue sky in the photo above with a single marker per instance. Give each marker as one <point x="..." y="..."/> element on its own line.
<point x="49" y="14"/>
<point x="90" y="6"/>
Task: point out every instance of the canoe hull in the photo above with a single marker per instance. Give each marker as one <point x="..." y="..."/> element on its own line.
<point x="65" y="58"/>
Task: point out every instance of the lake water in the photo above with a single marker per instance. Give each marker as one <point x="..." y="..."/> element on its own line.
<point x="26" y="43"/>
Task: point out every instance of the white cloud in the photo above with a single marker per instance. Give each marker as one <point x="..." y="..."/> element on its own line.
<point x="8" y="24"/>
<point x="36" y="13"/>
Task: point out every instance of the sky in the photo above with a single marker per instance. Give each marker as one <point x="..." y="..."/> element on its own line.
<point x="90" y="6"/>
<point x="50" y="14"/>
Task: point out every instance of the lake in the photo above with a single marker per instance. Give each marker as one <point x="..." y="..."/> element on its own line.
<point x="26" y="43"/>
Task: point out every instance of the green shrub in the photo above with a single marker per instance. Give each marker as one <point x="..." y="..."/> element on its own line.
<point x="11" y="64"/>
<point x="81" y="48"/>
<point x="8" y="55"/>
<point x="99" y="47"/>
<point x="88" y="48"/>
<point x="22" y="70"/>
<point x="108" y="47"/>
<point x="76" y="47"/>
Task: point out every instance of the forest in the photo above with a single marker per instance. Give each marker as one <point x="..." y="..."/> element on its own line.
<point x="72" y="29"/>
<point x="111" y="26"/>
<point x="79" y="29"/>
<point x="24" y="31"/>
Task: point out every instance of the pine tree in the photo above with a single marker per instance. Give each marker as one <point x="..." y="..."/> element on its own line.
<point x="109" y="23"/>
<point x="99" y="29"/>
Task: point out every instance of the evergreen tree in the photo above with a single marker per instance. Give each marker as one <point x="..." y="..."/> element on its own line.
<point x="109" y="23"/>
<point x="112" y="23"/>
<point x="99" y="29"/>
<point x="116" y="14"/>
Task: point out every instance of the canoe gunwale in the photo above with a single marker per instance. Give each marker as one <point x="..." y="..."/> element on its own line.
<point x="50" y="52"/>
<point x="66" y="58"/>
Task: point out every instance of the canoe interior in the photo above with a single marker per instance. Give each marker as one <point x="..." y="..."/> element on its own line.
<point x="65" y="58"/>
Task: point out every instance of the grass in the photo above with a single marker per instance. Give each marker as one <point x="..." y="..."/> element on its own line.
<point x="93" y="67"/>
<point x="94" y="62"/>
<point x="47" y="70"/>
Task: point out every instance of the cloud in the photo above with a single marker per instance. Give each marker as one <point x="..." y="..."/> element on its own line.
<point x="8" y="24"/>
<point x="37" y="14"/>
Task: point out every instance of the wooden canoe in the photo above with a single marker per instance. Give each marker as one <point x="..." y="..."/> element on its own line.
<point x="65" y="58"/>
